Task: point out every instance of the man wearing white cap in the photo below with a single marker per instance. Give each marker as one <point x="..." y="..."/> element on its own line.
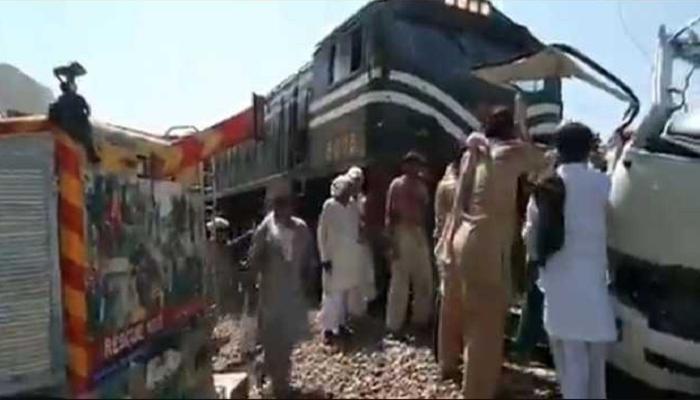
<point x="221" y="258"/>
<point x="281" y="249"/>
<point x="368" y="289"/>
<point x="340" y="251"/>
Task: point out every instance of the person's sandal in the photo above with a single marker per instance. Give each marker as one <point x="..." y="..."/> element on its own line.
<point x="454" y="375"/>
<point x="346" y="332"/>
<point x="329" y="338"/>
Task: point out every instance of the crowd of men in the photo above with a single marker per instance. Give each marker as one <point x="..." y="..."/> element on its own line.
<point x="476" y="220"/>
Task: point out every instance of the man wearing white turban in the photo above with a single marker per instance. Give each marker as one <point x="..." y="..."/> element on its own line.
<point x="355" y="173"/>
<point x="340" y="251"/>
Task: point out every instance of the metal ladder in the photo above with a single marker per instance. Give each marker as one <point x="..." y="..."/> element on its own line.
<point x="209" y="189"/>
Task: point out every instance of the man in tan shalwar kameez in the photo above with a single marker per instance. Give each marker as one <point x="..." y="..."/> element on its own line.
<point x="450" y="337"/>
<point x="481" y="233"/>
<point x="281" y="249"/>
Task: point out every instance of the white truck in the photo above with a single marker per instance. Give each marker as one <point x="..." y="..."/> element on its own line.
<point x="655" y="215"/>
<point x="655" y="229"/>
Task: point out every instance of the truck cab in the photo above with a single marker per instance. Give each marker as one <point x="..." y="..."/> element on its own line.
<point x="655" y="221"/>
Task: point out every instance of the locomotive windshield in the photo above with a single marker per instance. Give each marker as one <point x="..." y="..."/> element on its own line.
<point x="455" y="36"/>
<point x="452" y="50"/>
<point x="443" y="44"/>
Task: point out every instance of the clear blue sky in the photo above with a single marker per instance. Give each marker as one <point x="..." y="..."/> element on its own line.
<point x="154" y="64"/>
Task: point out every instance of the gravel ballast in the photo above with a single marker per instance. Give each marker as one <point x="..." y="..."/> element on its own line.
<point x="371" y="366"/>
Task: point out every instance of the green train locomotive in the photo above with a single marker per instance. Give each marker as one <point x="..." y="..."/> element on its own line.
<point x="394" y="77"/>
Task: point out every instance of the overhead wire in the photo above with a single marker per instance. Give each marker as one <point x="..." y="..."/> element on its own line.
<point x="635" y="42"/>
<point x="694" y="66"/>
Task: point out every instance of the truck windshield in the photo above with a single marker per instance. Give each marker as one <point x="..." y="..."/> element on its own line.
<point x="686" y="49"/>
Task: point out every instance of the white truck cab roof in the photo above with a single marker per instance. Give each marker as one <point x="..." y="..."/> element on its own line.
<point x="21" y="93"/>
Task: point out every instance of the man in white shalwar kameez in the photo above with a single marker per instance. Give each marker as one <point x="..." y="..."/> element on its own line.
<point x="368" y="288"/>
<point x="341" y="254"/>
<point x="579" y="314"/>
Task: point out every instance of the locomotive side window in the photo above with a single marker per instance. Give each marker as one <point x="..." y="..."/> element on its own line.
<point x="282" y="118"/>
<point x="259" y="151"/>
<point x="236" y="164"/>
<point x="294" y="110"/>
<point x="248" y="154"/>
<point x="218" y="180"/>
<point x="531" y="86"/>
<point x="331" y="64"/>
<point x="303" y="108"/>
<point x="226" y="166"/>
<point x="143" y="169"/>
<point x="356" y="52"/>
<point x="305" y="97"/>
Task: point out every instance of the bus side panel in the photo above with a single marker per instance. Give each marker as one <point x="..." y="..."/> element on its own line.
<point x="146" y="290"/>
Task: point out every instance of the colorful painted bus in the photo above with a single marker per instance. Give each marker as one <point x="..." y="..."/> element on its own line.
<point x="104" y="289"/>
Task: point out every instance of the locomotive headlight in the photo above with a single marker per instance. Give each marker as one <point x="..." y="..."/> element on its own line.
<point x="474" y="6"/>
<point x="485" y="9"/>
<point x="482" y="7"/>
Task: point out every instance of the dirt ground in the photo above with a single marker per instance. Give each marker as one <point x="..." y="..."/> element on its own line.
<point x="371" y="366"/>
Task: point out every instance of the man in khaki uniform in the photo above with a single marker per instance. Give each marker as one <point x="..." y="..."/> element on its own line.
<point x="450" y="336"/>
<point x="411" y="266"/>
<point x="481" y="235"/>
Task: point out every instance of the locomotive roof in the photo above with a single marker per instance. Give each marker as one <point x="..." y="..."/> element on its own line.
<point x="289" y="80"/>
<point x="503" y="26"/>
<point x="350" y="21"/>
